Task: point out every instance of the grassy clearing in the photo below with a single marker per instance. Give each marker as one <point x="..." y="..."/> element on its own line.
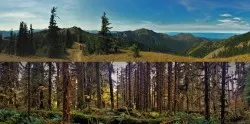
<point x="75" y="55"/>
<point x="12" y="58"/>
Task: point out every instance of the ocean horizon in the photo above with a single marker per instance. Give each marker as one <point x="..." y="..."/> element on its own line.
<point x="208" y="35"/>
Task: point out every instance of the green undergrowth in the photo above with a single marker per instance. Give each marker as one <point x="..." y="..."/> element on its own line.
<point x="103" y="116"/>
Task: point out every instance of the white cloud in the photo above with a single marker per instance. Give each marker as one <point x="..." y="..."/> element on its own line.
<point x="227" y="21"/>
<point x="221" y="27"/>
<point x="226" y="15"/>
<point x="17" y="15"/>
<point x="237" y="18"/>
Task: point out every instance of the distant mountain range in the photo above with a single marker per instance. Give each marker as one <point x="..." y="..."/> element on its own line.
<point x="147" y="39"/>
<point x="213" y="36"/>
<point x="7" y="33"/>
<point x="160" y="42"/>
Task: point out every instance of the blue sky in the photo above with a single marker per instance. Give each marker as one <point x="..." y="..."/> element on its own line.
<point x="159" y="15"/>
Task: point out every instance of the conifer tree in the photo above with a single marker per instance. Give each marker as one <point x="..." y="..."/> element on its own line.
<point x="1" y="38"/>
<point x="22" y="46"/>
<point x="56" y="48"/>
<point x="31" y="42"/>
<point x="69" y="39"/>
<point x="26" y="40"/>
<point x="106" y="34"/>
<point x="10" y="47"/>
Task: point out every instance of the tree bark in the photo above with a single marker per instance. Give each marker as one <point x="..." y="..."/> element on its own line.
<point x="58" y="85"/>
<point x="28" y="67"/>
<point x="98" y="87"/>
<point x="206" y="98"/>
<point x="169" y="85"/>
<point x="66" y="93"/>
<point x="111" y="85"/>
<point x="129" y="86"/>
<point x="41" y="106"/>
<point x="175" y="85"/>
<point x="80" y="96"/>
<point x="223" y="83"/>
<point x="50" y="86"/>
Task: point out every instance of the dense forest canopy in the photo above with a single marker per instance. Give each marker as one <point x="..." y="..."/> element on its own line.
<point x="124" y="92"/>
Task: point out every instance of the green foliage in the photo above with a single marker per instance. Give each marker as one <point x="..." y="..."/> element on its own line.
<point x="11" y="49"/>
<point x="103" y="43"/>
<point x="31" y="43"/>
<point x="69" y="39"/>
<point x="42" y="116"/>
<point x="105" y="33"/>
<point x="182" y="117"/>
<point x="13" y="117"/>
<point x="232" y="51"/>
<point x="25" y="43"/>
<point x="57" y="46"/>
<point x="135" y="49"/>
<point x="202" y="49"/>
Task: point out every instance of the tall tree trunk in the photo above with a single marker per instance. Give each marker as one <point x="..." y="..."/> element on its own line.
<point x="58" y="85"/>
<point x="129" y="86"/>
<point x="50" y="86"/>
<point x="80" y="96"/>
<point x="187" y="87"/>
<point x="223" y="83"/>
<point x="206" y="99"/>
<point x="148" y="76"/>
<point x="175" y="85"/>
<point x="111" y="85"/>
<point x="98" y="87"/>
<point x="41" y="106"/>
<point x="169" y="85"/>
<point x="66" y="93"/>
<point x="117" y="90"/>
<point x="29" y="66"/>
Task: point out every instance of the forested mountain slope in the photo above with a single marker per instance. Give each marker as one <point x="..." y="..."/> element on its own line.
<point x="236" y="45"/>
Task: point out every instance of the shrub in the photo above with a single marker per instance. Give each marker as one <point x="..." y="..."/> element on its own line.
<point x="13" y="117"/>
<point x="135" y="49"/>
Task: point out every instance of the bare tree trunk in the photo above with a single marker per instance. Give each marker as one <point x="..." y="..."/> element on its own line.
<point x="175" y="85"/>
<point x="206" y="99"/>
<point x="80" y="96"/>
<point x="50" y="86"/>
<point x="129" y="86"/>
<point x="111" y="85"/>
<point x="169" y="85"/>
<point x="98" y="87"/>
<point x="66" y="93"/>
<point x="58" y="85"/>
<point x="148" y="105"/>
<point x="117" y="90"/>
<point x="41" y="106"/>
<point x="28" y="67"/>
<point x="223" y="83"/>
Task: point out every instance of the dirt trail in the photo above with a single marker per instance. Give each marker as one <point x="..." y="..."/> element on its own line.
<point x="76" y="53"/>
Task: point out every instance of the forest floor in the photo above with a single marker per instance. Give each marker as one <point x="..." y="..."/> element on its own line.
<point x="103" y="116"/>
<point x="116" y="116"/>
<point x="75" y="54"/>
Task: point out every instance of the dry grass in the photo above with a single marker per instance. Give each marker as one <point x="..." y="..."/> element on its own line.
<point x="75" y="55"/>
<point x="11" y="58"/>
